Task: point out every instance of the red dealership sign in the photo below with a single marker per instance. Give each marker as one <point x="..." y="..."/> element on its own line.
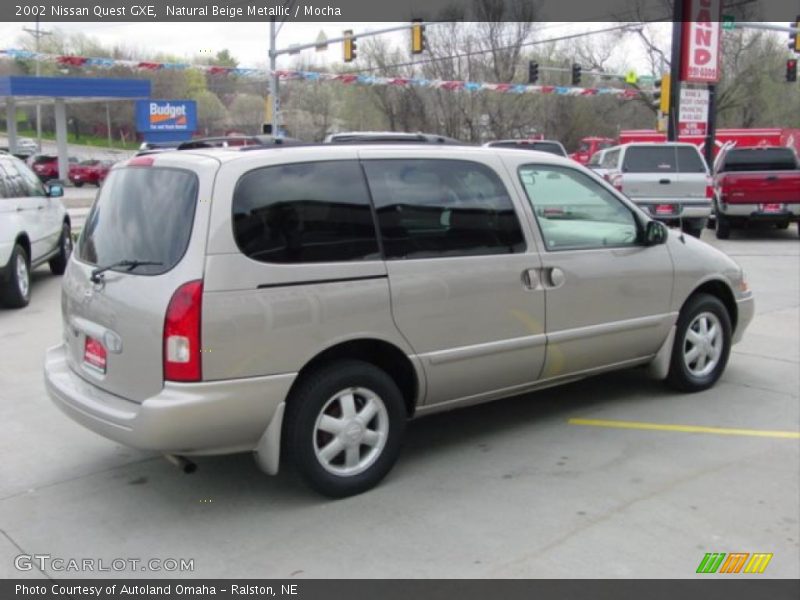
<point x="701" y="41"/>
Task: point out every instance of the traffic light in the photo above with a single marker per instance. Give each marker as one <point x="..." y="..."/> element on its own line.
<point x="794" y="37"/>
<point x="349" y="46"/>
<point x="791" y="70"/>
<point x="533" y="72"/>
<point x="576" y="74"/>
<point x="417" y="36"/>
<point x="661" y="93"/>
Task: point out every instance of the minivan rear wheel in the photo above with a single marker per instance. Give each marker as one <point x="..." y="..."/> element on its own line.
<point x="344" y="427"/>
<point x="702" y="344"/>
<point x="16" y="290"/>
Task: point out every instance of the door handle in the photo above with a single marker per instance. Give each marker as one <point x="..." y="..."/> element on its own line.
<point x="664" y="181"/>
<point x="20" y="209"/>
<point x="40" y="208"/>
<point x="530" y="279"/>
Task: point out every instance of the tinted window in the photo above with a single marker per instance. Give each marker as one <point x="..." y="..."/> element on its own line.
<point x="305" y="212"/>
<point x="15" y="184"/>
<point x="574" y="211"/>
<point x="760" y="159"/>
<point x="656" y="159"/>
<point x="690" y="161"/>
<point x="33" y="187"/>
<point x="432" y="208"/>
<point x="141" y="213"/>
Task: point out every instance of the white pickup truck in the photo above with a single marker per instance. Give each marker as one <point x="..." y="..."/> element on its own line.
<point x="34" y="229"/>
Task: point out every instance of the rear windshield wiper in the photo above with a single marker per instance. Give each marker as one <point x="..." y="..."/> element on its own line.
<point x="131" y="264"/>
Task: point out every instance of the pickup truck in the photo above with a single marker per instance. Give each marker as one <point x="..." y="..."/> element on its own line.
<point x="756" y="184"/>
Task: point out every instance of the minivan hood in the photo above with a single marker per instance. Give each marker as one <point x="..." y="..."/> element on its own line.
<point x="702" y="259"/>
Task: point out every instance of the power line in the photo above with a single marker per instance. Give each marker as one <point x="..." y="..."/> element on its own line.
<point x="487" y="50"/>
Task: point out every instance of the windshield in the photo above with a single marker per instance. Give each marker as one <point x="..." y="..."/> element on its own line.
<point x="141" y="214"/>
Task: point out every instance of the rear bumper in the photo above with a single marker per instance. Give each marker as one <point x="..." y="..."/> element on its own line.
<point x="745" y="308"/>
<point x="752" y="211"/>
<point x="190" y="419"/>
<point x="685" y="210"/>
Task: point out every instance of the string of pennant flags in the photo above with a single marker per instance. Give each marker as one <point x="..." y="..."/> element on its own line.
<point x="317" y="76"/>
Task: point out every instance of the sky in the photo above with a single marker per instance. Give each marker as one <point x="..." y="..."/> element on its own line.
<point x="248" y="42"/>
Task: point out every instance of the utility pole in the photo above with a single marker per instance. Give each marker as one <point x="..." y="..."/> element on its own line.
<point x="274" y="102"/>
<point x="38" y="34"/>
<point x="711" y="127"/>
<point x="675" y="71"/>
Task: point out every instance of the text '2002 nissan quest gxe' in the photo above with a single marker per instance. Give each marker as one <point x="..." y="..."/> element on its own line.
<point x="303" y="302"/>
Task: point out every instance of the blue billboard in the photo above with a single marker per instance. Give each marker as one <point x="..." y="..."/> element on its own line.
<point x="166" y="120"/>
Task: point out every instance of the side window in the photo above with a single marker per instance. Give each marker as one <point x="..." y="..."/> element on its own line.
<point x="33" y="187"/>
<point x="610" y="159"/>
<point x="3" y="191"/>
<point x="14" y="183"/>
<point x="305" y="213"/>
<point x="434" y="208"/>
<point x="574" y="211"/>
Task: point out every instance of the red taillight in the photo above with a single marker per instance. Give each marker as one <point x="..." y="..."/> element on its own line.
<point x="615" y="179"/>
<point x="182" y="360"/>
<point x="709" y="191"/>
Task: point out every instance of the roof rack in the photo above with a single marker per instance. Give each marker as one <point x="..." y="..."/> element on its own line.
<point x="389" y="137"/>
<point x="243" y="142"/>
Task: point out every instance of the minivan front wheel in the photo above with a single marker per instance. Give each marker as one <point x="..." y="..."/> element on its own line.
<point x="702" y="344"/>
<point x="344" y="426"/>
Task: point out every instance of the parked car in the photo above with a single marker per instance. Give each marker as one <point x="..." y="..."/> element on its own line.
<point x="596" y="163"/>
<point x="26" y="145"/>
<point x="304" y="302"/>
<point x="551" y="146"/>
<point x="756" y="184"/>
<point x="670" y="181"/>
<point x="46" y="166"/>
<point x="34" y="229"/>
<point x="89" y="171"/>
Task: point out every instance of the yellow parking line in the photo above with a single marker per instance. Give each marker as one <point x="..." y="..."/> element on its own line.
<point x="792" y="435"/>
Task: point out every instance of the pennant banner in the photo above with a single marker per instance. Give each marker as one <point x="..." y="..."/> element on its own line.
<point x="345" y="79"/>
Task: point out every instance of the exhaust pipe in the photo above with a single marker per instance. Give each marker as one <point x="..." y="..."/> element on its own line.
<point x="183" y="463"/>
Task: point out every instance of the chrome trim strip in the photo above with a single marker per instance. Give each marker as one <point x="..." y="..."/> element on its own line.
<point x="439" y="357"/>
<point x="569" y="335"/>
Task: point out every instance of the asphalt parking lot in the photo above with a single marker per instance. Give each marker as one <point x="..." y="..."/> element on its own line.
<point x="509" y="489"/>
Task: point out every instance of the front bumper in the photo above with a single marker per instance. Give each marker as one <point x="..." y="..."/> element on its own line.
<point x="745" y="308"/>
<point x="218" y="417"/>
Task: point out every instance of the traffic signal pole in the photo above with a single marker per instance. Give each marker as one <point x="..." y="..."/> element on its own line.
<point x="711" y="127"/>
<point x="675" y="71"/>
<point x="274" y="103"/>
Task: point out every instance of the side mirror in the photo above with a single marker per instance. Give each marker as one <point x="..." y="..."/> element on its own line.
<point x="55" y="190"/>
<point x="655" y="233"/>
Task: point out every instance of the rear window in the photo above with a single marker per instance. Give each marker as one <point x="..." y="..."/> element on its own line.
<point x="663" y="159"/>
<point x="760" y="159"/>
<point x="143" y="214"/>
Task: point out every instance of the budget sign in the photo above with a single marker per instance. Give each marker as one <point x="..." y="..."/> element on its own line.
<point x="166" y="119"/>
<point x="701" y="41"/>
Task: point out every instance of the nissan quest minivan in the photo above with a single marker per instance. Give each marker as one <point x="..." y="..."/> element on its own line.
<point x="304" y="302"/>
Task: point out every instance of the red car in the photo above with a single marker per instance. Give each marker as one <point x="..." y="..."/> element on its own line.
<point x="89" y="171"/>
<point x="46" y="166"/>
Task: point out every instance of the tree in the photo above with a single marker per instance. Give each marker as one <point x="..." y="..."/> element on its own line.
<point x="247" y="113"/>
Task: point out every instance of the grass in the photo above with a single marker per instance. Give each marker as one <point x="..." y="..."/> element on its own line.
<point x="86" y="140"/>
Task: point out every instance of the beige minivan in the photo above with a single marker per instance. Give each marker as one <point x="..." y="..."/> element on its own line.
<point x="303" y="302"/>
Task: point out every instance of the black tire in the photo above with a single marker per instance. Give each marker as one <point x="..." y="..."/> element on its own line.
<point x="782" y="225"/>
<point x="693" y="229"/>
<point x="723" y="227"/>
<point x="58" y="264"/>
<point x="310" y="397"/>
<point x="78" y="183"/>
<point x="12" y="294"/>
<point x="680" y="376"/>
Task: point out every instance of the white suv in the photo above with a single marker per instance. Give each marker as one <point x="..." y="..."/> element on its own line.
<point x="34" y="229"/>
